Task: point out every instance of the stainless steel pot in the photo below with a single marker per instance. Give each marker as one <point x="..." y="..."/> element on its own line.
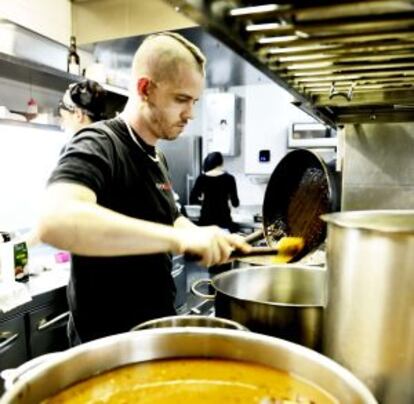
<point x="12" y="375"/>
<point x="189" y="321"/>
<point x="369" y="323"/>
<point x="284" y="301"/>
<point x="108" y="353"/>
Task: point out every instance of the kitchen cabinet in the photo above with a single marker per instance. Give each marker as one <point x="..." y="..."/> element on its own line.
<point x="13" y="347"/>
<point x="46" y="323"/>
<point x="33" y="329"/>
<point x="47" y="330"/>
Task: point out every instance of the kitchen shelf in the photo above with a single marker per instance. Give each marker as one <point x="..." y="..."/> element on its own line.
<point x="35" y="73"/>
<point x="27" y="71"/>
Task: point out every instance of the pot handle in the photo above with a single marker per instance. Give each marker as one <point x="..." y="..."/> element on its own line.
<point x="12" y="376"/>
<point x="196" y="284"/>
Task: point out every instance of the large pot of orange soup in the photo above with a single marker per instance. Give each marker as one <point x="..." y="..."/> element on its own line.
<point x="189" y="365"/>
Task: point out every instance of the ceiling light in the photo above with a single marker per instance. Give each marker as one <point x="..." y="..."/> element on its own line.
<point x="275" y="39"/>
<point x="304" y="66"/>
<point x="303" y="58"/>
<point x="301" y="34"/>
<point x="317" y="47"/>
<point x="263" y="27"/>
<point x="266" y="8"/>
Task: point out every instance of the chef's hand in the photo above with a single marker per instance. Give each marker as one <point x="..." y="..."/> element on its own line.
<point x="210" y="245"/>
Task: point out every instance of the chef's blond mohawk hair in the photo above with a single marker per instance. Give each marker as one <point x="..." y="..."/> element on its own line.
<point x="160" y="55"/>
<point x="193" y="49"/>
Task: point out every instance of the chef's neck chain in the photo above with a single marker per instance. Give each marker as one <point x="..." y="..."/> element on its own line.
<point x="135" y="140"/>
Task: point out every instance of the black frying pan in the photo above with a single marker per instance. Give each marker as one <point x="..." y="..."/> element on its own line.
<point x="301" y="188"/>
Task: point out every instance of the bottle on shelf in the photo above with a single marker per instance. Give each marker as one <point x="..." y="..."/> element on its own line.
<point x="73" y="58"/>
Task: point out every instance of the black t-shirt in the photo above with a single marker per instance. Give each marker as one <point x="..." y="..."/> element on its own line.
<point x="216" y="192"/>
<point x="108" y="295"/>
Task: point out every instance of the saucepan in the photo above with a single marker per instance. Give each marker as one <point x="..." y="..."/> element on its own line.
<point x="285" y="301"/>
<point x="93" y="358"/>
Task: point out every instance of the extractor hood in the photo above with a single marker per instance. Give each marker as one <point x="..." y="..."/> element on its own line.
<point x="344" y="61"/>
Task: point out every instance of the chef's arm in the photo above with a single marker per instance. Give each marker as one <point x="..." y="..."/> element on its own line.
<point x="183" y="223"/>
<point x="73" y="221"/>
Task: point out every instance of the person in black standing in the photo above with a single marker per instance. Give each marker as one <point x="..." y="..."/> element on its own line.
<point x="215" y="189"/>
<point x="110" y="201"/>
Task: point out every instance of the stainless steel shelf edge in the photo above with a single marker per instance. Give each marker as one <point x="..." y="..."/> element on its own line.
<point x="45" y="76"/>
<point x="12" y="122"/>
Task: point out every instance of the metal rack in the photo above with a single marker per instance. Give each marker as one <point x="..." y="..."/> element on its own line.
<point x="343" y="61"/>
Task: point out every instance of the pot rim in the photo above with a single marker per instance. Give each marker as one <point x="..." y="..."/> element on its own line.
<point x="219" y="320"/>
<point x="382" y="221"/>
<point x="287" y="267"/>
<point x="79" y="353"/>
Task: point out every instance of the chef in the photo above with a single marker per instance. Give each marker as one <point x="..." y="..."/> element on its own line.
<point x="110" y="202"/>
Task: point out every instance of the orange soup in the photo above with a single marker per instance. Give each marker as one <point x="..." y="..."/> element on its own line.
<point x="194" y="381"/>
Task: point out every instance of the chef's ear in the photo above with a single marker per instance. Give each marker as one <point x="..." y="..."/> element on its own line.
<point x="143" y="87"/>
<point x="79" y="115"/>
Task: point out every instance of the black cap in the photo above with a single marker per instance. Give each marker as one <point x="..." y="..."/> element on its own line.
<point x="87" y="95"/>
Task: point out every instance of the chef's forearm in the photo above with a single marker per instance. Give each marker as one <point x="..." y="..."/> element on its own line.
<point x="183" y="223"/>
<point x="88" y="229"/>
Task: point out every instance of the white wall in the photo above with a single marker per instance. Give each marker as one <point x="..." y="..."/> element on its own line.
<point x="269" y="115"/>
<point x="27" y="157"/>
<point x="51" y="18"/>
<point x="266" y="115"/>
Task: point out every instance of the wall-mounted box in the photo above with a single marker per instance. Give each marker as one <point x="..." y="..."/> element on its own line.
<point x="220" y="123"/>
<point x="269" y="114"/>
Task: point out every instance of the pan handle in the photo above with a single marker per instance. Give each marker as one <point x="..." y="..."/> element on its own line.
<point x="251" y="238"/>
<point x="255" y="236"/>
<point x="196" y="284"/>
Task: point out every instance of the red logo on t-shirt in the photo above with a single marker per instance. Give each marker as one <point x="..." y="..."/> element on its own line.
<point x="164" y="186"/>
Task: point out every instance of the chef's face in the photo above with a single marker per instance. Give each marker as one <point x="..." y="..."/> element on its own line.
<point x="72" y="121"/>
<point x="171" y="102"/>
<point x="68" y="123"/>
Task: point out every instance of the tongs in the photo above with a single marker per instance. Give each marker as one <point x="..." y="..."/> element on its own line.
<point x="286" y="246"/>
